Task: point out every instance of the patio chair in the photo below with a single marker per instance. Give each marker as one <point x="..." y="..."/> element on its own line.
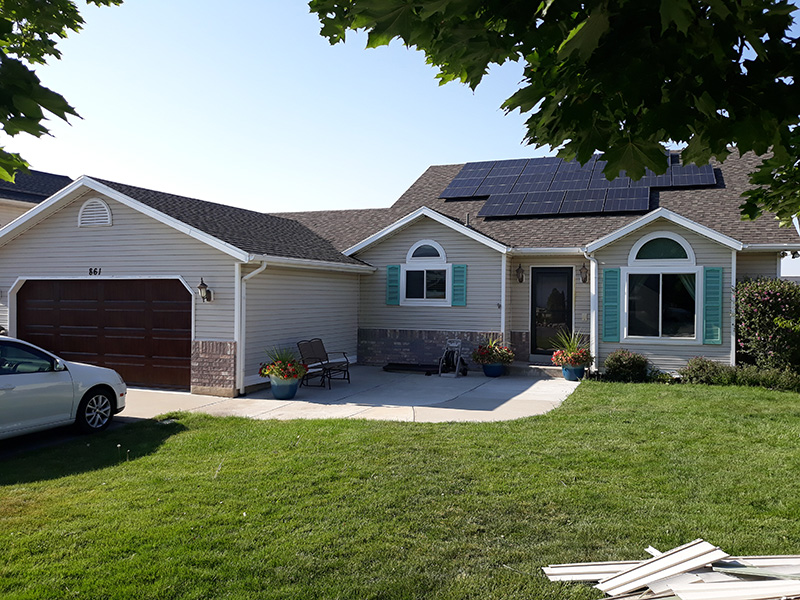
<point x="321" y="364"/>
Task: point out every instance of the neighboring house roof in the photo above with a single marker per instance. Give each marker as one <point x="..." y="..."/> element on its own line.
<point x="253" y="232"/>
<point x="33" y="187"/>
<point x="716" y="208"/>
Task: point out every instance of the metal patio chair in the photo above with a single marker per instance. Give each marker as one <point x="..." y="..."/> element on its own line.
<point x="321" y="364"/>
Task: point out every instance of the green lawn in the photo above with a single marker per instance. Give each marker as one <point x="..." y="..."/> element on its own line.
<point x="202" y="507"/>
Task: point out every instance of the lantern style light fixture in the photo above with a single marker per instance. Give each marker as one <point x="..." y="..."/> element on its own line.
<point x="206" y="293"/>
<point x="520" y="273"/>
<point x="584" y="272"/>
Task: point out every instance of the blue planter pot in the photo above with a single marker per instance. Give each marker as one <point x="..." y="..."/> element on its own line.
<point x="283" y="389"/>
<point x="573" y="373"/>
<point x="494" y="370"/>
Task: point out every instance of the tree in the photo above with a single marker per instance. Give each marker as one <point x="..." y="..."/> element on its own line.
<point x="29" y="32"/>
<point x="623" y="77"/>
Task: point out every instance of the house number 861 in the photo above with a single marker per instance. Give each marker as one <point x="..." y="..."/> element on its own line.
<point x="95" y="270"/>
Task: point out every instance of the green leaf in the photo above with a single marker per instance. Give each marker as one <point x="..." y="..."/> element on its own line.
<point x="678" y="12"/>
<point x="585" y="38"/>
<point x="632" y="157"/>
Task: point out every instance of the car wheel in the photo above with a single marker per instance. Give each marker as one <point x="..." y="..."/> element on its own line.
<point x="95" y="411"/>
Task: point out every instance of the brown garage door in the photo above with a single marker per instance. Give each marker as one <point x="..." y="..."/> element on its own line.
<point x="141" y="328"/>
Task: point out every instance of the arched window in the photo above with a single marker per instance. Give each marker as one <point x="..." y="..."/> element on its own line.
<point x="425" y="275"/>
<point x="661" y="282"/>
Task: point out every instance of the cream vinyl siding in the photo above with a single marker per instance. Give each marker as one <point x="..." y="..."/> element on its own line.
<point x="135" y="246"/>
<point x="484" y="273"/>
<point x="755" y="265"/>
<point x="669" y="354"/>
<point x="285" y="306"/>
<point x="520" y="297"/>
<point x="11" y="210"/>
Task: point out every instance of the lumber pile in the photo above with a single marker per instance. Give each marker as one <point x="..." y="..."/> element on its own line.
<point x="695" y="571"/>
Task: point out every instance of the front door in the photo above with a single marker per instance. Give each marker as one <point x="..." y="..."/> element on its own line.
<point x="551" y="306"/>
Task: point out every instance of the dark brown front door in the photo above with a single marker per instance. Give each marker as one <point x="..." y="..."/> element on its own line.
<point x="139" y="327"/>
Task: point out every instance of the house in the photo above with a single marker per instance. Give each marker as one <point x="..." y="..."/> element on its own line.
<point x="112" y="274"/>
<point x="545" y="244"/>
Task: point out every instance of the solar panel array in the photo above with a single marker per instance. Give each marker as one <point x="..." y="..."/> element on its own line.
<point x="551" y="186"/>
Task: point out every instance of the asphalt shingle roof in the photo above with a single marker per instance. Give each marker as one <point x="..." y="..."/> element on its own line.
<point x="716" y="208"/>
<point x="33" y="187"/>
<point x="253" y="232"/>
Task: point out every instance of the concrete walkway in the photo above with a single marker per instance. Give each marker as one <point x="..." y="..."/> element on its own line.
<point x="375" y="394"/>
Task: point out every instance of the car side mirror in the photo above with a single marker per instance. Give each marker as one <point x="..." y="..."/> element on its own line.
<point x="60" y="366"/>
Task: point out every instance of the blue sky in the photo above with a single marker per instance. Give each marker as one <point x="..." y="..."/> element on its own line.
<point x="244" y="103"/>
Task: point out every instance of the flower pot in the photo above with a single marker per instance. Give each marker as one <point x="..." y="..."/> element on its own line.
<point x="283" y="389"/>
<point x="494" y="369"/>
<point x="573" y="373"/>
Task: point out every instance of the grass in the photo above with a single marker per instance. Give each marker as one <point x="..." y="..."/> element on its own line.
<point x="202" y="507"/>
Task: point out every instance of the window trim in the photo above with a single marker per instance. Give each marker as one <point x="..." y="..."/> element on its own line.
<point x="625" y="273"/>
<point x="690" y="259"/>
<point x="426" y="264"/>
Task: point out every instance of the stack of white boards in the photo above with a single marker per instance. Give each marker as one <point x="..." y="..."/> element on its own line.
<point x="695" y="571"/>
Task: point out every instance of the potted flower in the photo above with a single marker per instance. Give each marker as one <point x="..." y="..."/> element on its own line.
<point x="571" y="354"/>
<point x="493" y="357"/>
<point x="284" y="371"/>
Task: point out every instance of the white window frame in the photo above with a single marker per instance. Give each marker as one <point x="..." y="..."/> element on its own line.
<point x="687" y="266"/>
<point x="436" y="263"/>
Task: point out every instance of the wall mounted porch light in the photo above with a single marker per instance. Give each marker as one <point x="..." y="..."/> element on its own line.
<point x="584" y="272"/>
<point x="206" y="293"/>
<point x="520" y="273"/>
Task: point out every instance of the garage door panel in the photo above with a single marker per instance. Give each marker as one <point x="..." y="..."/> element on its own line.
<point x="146" y="338"/>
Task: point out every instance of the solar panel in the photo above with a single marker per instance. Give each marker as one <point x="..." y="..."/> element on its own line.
<point x="627" y="199"/>
<point x="599" y="181"/>
<point x="573" y="166"/>
<point x="501" y="205"/>
<point x="531" y="185"/>
<point x="583" y="201"/>
<point x="650" y="179"/>
<point x="541" y="203"/>
<point x="577" y="180"/>
<point x="537" y="166"/>
<point x="462" y="187"/>
<point x="496" y="185"/>
<point x="508" y="167"/>
<point x="689" y="175"/>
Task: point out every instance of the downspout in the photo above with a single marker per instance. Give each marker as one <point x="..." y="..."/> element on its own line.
<point x="503" y="284"/>
<point x="242" y="320"/>
<point x="594" y="342"/>
<point x="733" y="307"/>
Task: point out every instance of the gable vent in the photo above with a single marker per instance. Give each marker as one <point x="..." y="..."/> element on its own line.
<point x="94" y="213"/>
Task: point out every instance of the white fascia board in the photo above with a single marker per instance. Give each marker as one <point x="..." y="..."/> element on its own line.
<point x="177" y="224"/>
<point x="46" y="207"/>
<point x="544" y="251"/>
<point x="663" y="213"/>
<point x="431" y="214"/>
<point x="306" y="263"/>
<point x="770" y="247"/>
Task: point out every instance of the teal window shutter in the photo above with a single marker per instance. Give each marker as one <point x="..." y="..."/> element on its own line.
<point x="393" y="285"/>
<point x="712" y="308"/>
<point x="611" y="305"/>
<point x="459" y="292"/>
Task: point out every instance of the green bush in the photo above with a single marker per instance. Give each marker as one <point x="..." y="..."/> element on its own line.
<point x="626" y="366"/>
<point x="766" y="310"/>
<point x="704" y="370"/>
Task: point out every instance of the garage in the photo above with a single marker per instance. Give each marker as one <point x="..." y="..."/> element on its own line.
<point x="142" y="328"/>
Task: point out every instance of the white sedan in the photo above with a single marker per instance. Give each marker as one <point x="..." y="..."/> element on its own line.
<point x="38" y="391"/>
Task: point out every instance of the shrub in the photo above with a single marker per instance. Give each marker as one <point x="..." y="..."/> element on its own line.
<point x="766" y="312"/>
<point x="773" y="379"/>
<point x="626" y="366"/>
<point x="704" y="370"/>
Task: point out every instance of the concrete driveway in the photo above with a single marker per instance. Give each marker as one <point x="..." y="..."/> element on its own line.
<point x="376" y="394"/>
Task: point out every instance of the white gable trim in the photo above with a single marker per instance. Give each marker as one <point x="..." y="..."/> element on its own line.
<point x="663" y="213"/>
<point x="431" y="214"/>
